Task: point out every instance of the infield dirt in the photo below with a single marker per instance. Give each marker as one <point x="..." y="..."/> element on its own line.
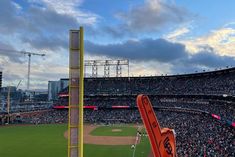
<point x="104" y="140"/>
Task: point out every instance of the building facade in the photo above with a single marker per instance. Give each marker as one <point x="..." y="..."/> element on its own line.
<point x="54" y="87"/>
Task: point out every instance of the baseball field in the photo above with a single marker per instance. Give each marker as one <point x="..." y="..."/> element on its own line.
<point x="51" y="141"/>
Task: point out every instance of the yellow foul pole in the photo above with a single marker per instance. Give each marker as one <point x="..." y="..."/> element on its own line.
<point x="81" y="92"/>
<point x="76" y="93"/>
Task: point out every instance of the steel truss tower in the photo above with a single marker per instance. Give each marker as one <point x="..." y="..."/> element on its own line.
<point x="106" y="64"/>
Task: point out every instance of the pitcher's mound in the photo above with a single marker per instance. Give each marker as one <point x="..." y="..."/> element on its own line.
<point x="116" y="130"/>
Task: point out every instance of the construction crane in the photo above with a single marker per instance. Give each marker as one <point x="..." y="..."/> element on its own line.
<point x="29" y="64"/>
<point x="29" y="61"/>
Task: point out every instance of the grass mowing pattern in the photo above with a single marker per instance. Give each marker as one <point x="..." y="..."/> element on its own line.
<point x="33" y="141"/>
<point x="142" y="150"/>
<point x="49" y="141"/>
<point x="107" y="131"/>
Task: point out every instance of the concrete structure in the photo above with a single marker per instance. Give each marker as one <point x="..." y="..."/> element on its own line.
<point x="53" y="90"/>
<point x="54" y="87"/>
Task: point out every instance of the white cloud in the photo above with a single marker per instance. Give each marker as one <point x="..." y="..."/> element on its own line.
<point x="150" y="68"/>
<point x="230" y="25"/>
<point x="221" y="40"/>
<point x="41" y="71"/>
<point x="41" y="21"/>
<point x="150" y="17"/>
<point x="12" y="71"/>
<point x="17" y="6"/>
<point x="71" y="8"/>
<point x="177" y="33"/>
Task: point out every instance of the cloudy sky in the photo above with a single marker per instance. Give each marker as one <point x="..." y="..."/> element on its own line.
<point x="157" y="36"/>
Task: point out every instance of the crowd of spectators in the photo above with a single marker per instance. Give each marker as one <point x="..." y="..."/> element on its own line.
<point x="222" y="108"/>
<point x="213" y="83"/>
<point x="208" y="83"/>
<point x="218" y="107"/>
<point x="196" y="134"/>
<point x="44" y="117"/>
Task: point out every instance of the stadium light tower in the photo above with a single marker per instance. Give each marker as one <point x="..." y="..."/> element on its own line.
<point x="29" y="61"/>
<point x="107" y="64"/>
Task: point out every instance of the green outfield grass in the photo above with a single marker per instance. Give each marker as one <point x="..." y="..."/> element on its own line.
<point x="142" y="150"/>
<point x="107" y="131"/>
<point x="49" y="141"/>
<point x="33" y="141"/>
